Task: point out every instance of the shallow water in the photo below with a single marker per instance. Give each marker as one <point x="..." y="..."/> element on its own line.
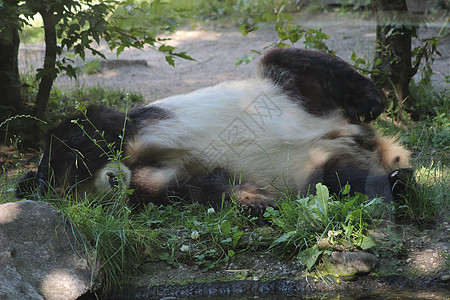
<point x="286" y="289"/>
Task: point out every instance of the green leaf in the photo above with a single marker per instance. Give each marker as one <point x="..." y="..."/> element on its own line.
<point x="284" y="238"/>
<point x="269" y="17"/>
<point x="226" y="241"/>
<point x="70" y="71"/>
<point x="346" y="189"/>
<point x="170" y="61"/>
<point x="366" y="242"/>
<point x="286" y="16"/>
<point x="225" y="226"/>
<point x="231" y="253"/>
<point x="167" y="49"/>
<point x="309" y="256"/>
<point x="236" y="237"/>
<point x="323" y="196"/>
<point x="283" y="35"/>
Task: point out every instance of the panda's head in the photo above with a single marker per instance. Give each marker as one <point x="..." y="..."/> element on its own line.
<point x="77" y="155"/>
<point x="392" y="155"/>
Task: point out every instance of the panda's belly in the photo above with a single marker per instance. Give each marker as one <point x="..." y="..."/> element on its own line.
<point x="247" y="128"/>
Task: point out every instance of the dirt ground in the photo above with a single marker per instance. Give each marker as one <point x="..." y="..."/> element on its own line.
<point x="215" y="51"/>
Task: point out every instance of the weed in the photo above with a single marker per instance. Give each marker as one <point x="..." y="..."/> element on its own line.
<point x="92" y="67"/>
<point x="304" y="221"/>
<point x="426" y="198"/>
<point x="198" y="234"/>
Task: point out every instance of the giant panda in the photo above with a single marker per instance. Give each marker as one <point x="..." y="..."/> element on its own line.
<point x="304" y="119"/>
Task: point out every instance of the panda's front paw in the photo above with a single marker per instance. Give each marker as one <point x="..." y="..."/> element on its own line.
<point x="400" y="180"/>
<point x="365" y="111"/>
<point x="27" y="185"/>
<point x="255" y="204"/>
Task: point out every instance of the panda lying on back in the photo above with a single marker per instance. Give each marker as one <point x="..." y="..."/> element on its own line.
<point x="302" y="121"/>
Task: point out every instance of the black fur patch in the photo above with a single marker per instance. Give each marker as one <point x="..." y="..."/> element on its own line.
<point x="323" y="83"/>
<point x="338" y="172"/>
<point x="148" y="115"/>
<point x="80" y="146"/>
<point x="204" y="189"/>
<point x="400" y="180"/>
<point x="26" y="186"/>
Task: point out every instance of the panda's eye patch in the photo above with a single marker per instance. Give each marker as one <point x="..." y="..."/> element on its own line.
<point x="112" y="179"/>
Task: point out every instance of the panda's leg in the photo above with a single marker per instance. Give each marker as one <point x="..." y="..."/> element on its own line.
<point x="336" y="174"/>
<point x="401" y="181"/>
<point x="322" y="83"/>
<point x="214" y="187"/>
<point x="27" y="185"/>
<point x="149" y="184"/>
<point x="161" y="186"/>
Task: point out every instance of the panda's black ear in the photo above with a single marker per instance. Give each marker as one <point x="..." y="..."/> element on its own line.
<point x="27" y="185"/>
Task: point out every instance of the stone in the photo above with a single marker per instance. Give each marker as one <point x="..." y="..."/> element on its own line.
<point x="349" y="263"/>
<point x="39" y="254"/>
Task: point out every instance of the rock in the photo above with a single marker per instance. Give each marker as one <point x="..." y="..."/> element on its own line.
<point x="349" y="263"/>
<point x="39" y="255"/>
<point x="119" y="63"/>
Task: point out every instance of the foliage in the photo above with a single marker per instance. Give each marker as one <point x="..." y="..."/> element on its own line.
<point x="429" y="140"/>
<point x="426" y="198"/>
<point x="306" y="221"/>
<point x="353" y="5"/>
<point x="77" y="26"/>
<point x="429" y="136"/>
<point x="199" y="235"/>
<point x="288" y="33"/>
<point x="92" y="67"/>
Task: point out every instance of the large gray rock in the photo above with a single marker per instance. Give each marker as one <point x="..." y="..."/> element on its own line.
<point x="349" y="264"/>
<point x="39" y="256"/>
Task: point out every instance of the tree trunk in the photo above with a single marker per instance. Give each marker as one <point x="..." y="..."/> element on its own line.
<point x="10" y="100"/>
<point x="49" y="71"/>
<point x="393" y="51"/>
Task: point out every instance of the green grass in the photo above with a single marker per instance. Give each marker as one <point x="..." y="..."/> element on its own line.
<point x="429" y="142"/>
<point x="92" y="67"/>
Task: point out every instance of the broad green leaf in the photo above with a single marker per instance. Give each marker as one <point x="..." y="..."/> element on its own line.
<point x="309" y="256"/>
<point x="323" y="196"/>
<point x="366" y="242"/>
<point x="286" y="16"/>
<point x="236" y="237"/>
<point x="269" y="17"/>
<point x="285" y="237"/>
<point x="225" y="226"/>
<point x="346" y="189"/>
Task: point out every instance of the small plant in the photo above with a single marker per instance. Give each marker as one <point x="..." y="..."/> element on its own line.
<point x="198" y="235"/>
<point x="304" y="222"/>
<point x="288" y="33"/>
<point x="92" y="67"/>
<point x="427" y="198"/>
